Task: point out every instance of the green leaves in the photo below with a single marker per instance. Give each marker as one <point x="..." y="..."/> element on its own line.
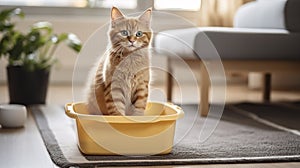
<point x="9" y="36"/>
<point x="5" y="17"/>
<point x="74" y="42"/>
<point x="16" y="51"/>
<point x="42" y="26"/>
<point x="34" y="49"/>
<point x="7" y="14"/>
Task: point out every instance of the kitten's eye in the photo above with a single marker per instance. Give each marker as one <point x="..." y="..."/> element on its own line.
<point x="124" y="33"/>
<point x="139" y="33"/>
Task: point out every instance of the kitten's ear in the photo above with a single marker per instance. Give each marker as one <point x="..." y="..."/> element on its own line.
<point x="146" y="16"/>
<point x="116" y="14"/>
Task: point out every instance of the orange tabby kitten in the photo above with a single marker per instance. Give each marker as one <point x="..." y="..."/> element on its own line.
<point x="119" y="86"/>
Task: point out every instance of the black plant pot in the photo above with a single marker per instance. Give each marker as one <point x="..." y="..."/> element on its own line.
<point x="26" y="87"/>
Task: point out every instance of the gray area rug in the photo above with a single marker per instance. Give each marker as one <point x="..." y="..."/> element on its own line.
<point x="247" y="132"/>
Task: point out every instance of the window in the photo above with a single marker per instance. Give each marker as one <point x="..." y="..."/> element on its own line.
<point x="128" y="4"/>
<point x="192" y="5"/>
<point x="56" y="3"/>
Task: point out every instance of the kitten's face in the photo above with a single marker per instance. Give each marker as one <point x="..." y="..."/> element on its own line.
<point x="130" y="33"/>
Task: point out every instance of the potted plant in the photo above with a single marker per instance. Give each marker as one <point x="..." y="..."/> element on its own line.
<point x="30" y="56"/>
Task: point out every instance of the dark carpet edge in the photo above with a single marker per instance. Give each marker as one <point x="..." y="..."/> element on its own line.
<point x="48" y="137"/>
<point x="59" y="159"/>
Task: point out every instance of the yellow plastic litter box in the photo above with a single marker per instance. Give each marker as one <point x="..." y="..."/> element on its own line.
<point x="126" y="135"/>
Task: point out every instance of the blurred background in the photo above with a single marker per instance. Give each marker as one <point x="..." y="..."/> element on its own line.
<point x="83" y="17"/>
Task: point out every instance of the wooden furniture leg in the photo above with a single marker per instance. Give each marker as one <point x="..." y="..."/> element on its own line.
<point x="267" y="87"/>
<point x="169" y="81"/>
<point x="204" y="91"/>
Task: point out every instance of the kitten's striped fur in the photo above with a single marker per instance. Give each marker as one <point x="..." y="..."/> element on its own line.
<point x="120" y="83"/>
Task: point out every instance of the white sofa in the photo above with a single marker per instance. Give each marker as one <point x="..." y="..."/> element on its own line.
<point x="265" y="38"/>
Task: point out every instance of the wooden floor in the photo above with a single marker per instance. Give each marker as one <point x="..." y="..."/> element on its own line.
<point x="61" y="94"/>
<point x="184" y="95"/>
<point x="24" y="147"/>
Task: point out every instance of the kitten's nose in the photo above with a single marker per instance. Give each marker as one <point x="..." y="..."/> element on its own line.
<point x="131" y="39"/>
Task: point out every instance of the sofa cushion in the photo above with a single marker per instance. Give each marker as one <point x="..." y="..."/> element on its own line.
<point x="261" y="14"/>
<point x="179" y="41"/>
<point x="230" y="43"/>
<point x="292" y="15"/>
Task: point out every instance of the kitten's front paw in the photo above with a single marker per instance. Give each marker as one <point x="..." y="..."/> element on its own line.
<point x="138" y="112"/>
<point x="116" y="112"/>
